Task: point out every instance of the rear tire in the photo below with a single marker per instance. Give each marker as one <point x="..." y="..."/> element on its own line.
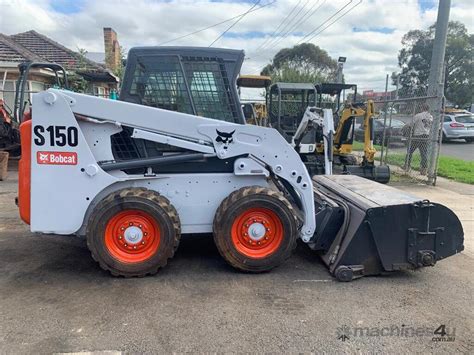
<point x="255" y="229"/>
<point x="133" y="232"/>
<point x="444" y="139"/>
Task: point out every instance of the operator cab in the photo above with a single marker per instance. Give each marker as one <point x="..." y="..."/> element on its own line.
<point x="198" y="81"/>
<point x="287" y="103"/>
<point x="191" y="80"/>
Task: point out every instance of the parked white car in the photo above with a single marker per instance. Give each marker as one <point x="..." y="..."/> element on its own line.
<point x="458" y="126"/>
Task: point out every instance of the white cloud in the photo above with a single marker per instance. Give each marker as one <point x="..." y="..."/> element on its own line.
<point x="371" y="55"/>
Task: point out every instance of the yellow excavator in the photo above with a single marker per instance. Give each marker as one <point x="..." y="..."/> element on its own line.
<point x="285" y="107"/>
<point x="346" y="113"/>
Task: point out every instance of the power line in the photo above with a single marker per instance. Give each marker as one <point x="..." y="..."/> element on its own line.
<point x="278" y="27"/>
<point x="299" y="23"/>
<point x="313" y="34"/>
<point x="337" y="19"/>
<point x="215" y="25"/>
<point x="235" y="23"/>
<point x="290" y="23"/>
<point x="326" y="21"/>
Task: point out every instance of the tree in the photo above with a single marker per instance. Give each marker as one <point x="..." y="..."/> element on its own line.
<point x="414" y="60"/>
<point x="302" y="63"/>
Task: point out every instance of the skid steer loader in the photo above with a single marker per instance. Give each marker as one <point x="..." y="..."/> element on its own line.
<point x="133" y="178"/>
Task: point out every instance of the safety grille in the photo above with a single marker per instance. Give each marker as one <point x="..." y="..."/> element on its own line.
<point x="195" y="85"/>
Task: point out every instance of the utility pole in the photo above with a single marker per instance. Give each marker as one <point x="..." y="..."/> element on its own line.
<point x="436" y="84"/>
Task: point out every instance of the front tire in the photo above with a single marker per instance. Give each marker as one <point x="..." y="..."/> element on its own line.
<point x="133" y="232"/>
<point x="255" y="229"/>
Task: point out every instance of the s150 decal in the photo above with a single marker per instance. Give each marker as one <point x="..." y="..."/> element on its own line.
<point x="60" y="136"/>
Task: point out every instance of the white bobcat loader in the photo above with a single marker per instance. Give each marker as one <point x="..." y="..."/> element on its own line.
<point x="132" y="179"/>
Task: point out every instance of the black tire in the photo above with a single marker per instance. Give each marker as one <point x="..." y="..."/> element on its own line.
<point x="469" y="140"/>
<point x="158" y="211"/>
<point x="270" y="203"/>
<point x="444" y="139"/>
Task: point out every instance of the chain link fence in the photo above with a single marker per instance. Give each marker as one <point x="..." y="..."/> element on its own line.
<point x="407" y="132"/>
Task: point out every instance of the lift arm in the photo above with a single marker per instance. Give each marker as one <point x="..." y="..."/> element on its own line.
<point x="322" y="118"/>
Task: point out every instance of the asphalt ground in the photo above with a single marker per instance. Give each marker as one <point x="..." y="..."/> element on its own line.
<point x="55" y="298"/>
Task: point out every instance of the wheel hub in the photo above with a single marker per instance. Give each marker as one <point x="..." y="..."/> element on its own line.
<point x="256" y="231"/>
<point x="133" y="235"/>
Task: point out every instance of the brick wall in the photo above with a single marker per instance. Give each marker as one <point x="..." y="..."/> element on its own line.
<point x="112" y="49"/>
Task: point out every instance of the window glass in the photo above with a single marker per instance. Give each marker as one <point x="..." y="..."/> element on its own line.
<point x="203" y="89"/>
<point x="9" y="94"/>
<point x="99" y="91"/>
<point x="159" y="82"/>
<point x="465" y="119"/>
<point x="210" y="88"/>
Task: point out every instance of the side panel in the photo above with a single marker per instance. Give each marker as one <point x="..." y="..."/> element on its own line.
<point x="61" y="190"/>
<point x="24" y="172"/>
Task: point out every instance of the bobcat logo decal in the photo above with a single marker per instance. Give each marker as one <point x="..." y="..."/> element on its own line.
<point x="225" y="137"/>
<point x="43" y="157"/>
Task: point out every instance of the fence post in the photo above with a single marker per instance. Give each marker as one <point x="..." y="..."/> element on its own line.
<point x="385" y="107"/>
<point x="435" y="134"/>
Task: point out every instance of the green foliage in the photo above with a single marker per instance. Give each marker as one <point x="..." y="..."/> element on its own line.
<point x="415" y="57"/>
<point x="448" y="167"/>
<point x="302" y="63"/>
<point x="120" y="71"/>
<point x="76" y="82"/>
<point x="451" y="168"/>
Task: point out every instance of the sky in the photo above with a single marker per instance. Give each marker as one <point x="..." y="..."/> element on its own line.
<point x="369" y="34"/>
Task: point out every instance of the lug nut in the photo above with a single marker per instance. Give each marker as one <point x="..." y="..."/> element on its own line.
<point x="125" y="245"/>
<point x="122" y="228"/>
<point x="145" y="234"/>
<point x="130" y="224"/>
<point x="143" y="243"/>
<point x="140" y="226"/>
<point x="120" y="237"/>
<point x="135" y="247"/>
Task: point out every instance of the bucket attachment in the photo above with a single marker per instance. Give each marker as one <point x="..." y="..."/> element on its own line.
<point x="366" y="228"/>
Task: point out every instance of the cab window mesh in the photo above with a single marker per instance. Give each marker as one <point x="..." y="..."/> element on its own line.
<point x="159" y="82"/>
<point x="210" y="88"/>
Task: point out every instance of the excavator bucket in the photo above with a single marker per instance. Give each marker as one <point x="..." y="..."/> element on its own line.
<point x="366" y="228"/>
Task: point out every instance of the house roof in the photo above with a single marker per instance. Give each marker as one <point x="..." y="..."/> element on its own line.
<point x="10" y="51"/>
<point x="33" y="46"/>
<point x="52" y="51"/>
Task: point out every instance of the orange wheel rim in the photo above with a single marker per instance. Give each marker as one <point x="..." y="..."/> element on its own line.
<point x="132" y="236"/>
<point x="257" y="233"/>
